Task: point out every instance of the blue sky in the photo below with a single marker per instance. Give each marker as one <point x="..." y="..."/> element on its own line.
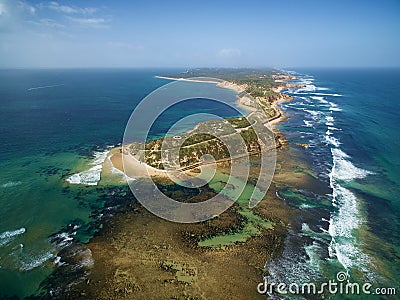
<point x="284" y="33"/>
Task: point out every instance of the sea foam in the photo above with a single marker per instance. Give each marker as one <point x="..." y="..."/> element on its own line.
<point x="344" y="169"/>
<point x="31" y="262"/>
<point x="320" y="99"/>
<point x="11" y="184"/>
<point x="332" y="140"/>
<point x="92" y="175"/>
<point x="88" y="177"/>
<point x="347" y="217"/>
<point x="8" y="236"/>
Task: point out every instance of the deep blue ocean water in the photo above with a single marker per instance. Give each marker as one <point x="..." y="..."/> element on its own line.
<point x="55" y="123"/>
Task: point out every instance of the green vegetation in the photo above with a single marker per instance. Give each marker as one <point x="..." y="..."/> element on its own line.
<point x="191" y="154"/>
<point x="251" y="140"/>
<point x="197" y="138"/>
<point x="252" y="225"/>
<point x="259" y="81"/>
<point x="239" y="122"/>
<point x="237" y="75"/>
<point x="207" y="137"/>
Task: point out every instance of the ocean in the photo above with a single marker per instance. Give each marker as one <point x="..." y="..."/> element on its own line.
<point x="348" y="120"/>
<point x="57" y="126"/>
<point x="56" y="129"/>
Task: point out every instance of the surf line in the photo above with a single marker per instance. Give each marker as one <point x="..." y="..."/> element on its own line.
<point x="44" y="87"/>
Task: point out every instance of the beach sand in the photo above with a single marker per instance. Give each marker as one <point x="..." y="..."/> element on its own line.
<point x="140" y="256"/>
<point x="129" y="165"/>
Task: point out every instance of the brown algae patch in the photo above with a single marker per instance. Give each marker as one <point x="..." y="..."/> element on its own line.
<point x="182" y="271"/>
<point x="252" y="224"/>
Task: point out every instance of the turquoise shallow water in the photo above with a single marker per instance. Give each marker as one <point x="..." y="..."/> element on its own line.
<point x="56" y="123"/>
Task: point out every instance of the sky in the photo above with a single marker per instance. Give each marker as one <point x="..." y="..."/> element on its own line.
<point x="254" y="33"/>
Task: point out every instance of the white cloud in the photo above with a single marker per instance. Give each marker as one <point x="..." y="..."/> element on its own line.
<point x="13" y="15"/>
<point x="27" y="7"/>
<point x="2" y="9"/>
<point x="91" y="22"/>
<point x="12" y="8"/>
<point x="229" y="52"/>
<point x="70" y="9"/>
<point x="51" y="23"/>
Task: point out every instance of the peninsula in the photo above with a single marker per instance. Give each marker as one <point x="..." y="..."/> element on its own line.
<point x="138" y="255"/>
<point x="256" y="90"/>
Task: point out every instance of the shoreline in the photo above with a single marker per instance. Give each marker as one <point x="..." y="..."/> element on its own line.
<point x="140" y="255"/>
<point x="140" y="169"/>
<point x="185" y="79"/>
<point x="137" y="254"/>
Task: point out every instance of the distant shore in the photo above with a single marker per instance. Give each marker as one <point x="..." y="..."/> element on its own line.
<point x="185" y="79"/>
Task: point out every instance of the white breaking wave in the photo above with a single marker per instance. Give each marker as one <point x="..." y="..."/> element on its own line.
<point x="31" y="262"/>
<point x="334" y="107"/>
<point x="8" y="236"/>
<point x="318" y="94"/>
<point x="342" y="224"/>
<point x="11" y="184"/>
<point x="347" y="218"/>
<point x="314" y="114"/>
<point x="64" y="239"/>
<point x="320" y="99"/>
<point x="343" y="169"/>
<point x="57" y="261"/>
<point x="308" y="123"/>
<point x="324" y="94"/>
<point x="310" y="87"/>
<point x="91" y="176"/>
<point x="332" y="140"/>
<point x="307" y="88"/>
<point x="330" y="118"/>
<point x="100" y="157"/>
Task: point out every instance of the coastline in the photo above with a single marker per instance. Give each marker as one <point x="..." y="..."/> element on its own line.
<point x="171" y="258"/>
<point x="138" y="169"/>
<point x="185" y="79"/>
<point x="112" y="209"/>
<point x="137" y="254"/>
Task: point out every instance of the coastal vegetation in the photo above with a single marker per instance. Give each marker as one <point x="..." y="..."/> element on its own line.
<point x="185" y="261"/>
<point x="262" y="85"/>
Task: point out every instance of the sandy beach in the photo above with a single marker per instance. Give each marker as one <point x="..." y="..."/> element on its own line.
<point x="141" y="256"/>
<point x="122" y="160"/>
<point x="129" y="165"/>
